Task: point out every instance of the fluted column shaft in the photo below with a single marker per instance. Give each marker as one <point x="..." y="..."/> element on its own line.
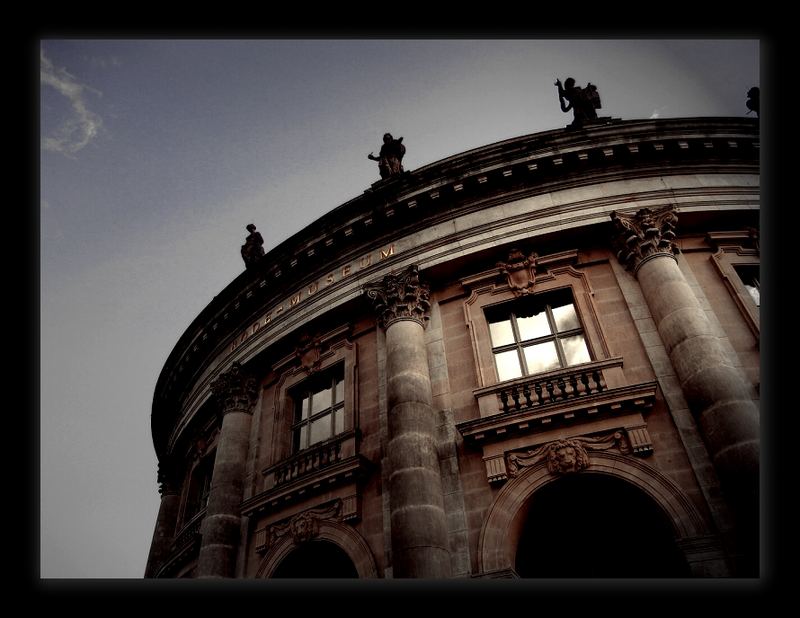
<point x="220" y="529"/>
<point x="416" y="503"/>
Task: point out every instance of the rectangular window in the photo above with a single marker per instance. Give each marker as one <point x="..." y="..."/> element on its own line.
<point x="536" y="334"/>
<point x="319" y="408"/>
<point x="199" y="486"/>
<point x="749" y="274"/>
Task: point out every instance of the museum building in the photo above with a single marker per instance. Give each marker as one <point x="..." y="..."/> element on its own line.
<point x="537" y="358"/>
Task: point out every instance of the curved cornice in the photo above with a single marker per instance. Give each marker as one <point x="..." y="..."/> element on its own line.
<point x="468" y="182"/>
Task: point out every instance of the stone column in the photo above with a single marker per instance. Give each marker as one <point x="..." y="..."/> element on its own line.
<point x="167" y="518"/>
<point x="714" y="388"/>
<point x="237" y="393"/>
<point x="416" y="503"/>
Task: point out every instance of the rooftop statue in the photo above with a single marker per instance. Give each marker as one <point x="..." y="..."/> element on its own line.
<point x="582" y="101"/>
<point x="390" y="157"/>
<point x="253" y="247"/>
<point x="753" y="96"/>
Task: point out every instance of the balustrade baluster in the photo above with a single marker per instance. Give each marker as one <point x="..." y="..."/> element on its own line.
<point x="585" y="380"/>
<point x="515" y="397"/>
<point x="550" y="388"/>
<point x="504" y="400"/>
<point x="527" y="392"/>
<point x="537" y="388"/>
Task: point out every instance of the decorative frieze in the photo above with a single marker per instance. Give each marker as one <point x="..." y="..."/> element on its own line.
<point x="400" y="297"/>
<point x="519" y="272"/>
<point x="302" y="527"/>
<point x="644" y="235"/>
<point x="566" y="456"/>
<point x="236" y="390"/>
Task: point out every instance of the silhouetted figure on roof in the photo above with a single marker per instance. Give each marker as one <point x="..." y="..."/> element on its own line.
<point x="582" y="101"/>
<point x="390" y="159"/>
<point x="253" y="247"/>
<point x="752" y="102"/>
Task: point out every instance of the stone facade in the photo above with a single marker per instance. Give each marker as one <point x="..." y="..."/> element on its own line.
<point x="545" y="342"/>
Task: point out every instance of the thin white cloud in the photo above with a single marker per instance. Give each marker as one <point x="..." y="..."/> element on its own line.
<point x="657" y="112"/>
<point x="83" y="125"/>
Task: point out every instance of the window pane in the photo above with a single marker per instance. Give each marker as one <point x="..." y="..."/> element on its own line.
<point x="508" y="365"/>
<point x="321" y="400"/>
<point x="303" y="437"/>
<point x="321" y="429"/>
<point x="753" y="290"/>
<point x="501" y="333"/>
<point x="339" y="391"/>
<point x="566" y="318"/>
<point x="304" y="407"/>
<point x="541" y="357"/>
<point x="575" y="350"/>
<point x="532" y="325"/>
<point x="338" y="421"/>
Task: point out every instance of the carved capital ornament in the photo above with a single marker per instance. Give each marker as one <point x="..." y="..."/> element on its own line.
<point x="644" y="235"/>
<point x="400" y="297"/>
<point x="236" y="390"/>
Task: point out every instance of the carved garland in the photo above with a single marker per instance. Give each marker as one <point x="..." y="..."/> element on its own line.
<point x="400" y="297"/>
<point x="644" y="235"/>
<point x="567" y="456"/>
<point x="304" y="526"/>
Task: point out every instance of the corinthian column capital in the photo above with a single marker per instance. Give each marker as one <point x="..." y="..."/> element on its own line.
<point x="400" y="297"/>
<point x="236" y="390"/>
<point x="644" y="235"/>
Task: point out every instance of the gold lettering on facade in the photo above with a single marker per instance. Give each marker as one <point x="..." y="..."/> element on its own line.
<point x="313" y="288"/>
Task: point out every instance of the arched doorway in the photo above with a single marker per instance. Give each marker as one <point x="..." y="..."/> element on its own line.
<point x="316" y="559"/>
<point x="596" y="525"/>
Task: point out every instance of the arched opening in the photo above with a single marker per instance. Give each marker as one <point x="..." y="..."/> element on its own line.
<point x="595" y="525"/>
<point x="316" y="559"/>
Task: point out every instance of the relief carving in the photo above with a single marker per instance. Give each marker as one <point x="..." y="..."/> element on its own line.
<point x="309" y="353"/>
<point x="519" y="271"/>
<point x="304" y="526"/>
<point x="567" y="456"/>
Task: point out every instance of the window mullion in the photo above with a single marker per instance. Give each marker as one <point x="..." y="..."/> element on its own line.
<point x="518" y="344"/>
<point x="562" y="359"/>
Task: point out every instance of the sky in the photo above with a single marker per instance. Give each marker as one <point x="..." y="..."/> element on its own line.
<point x="155" y="154"/>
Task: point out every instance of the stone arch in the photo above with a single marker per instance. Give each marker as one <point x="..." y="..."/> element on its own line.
<point x="341" y="535"/>
<point x="501" y="530"/>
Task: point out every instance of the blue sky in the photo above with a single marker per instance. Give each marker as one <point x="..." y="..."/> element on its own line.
<point x="155" y="154"/>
